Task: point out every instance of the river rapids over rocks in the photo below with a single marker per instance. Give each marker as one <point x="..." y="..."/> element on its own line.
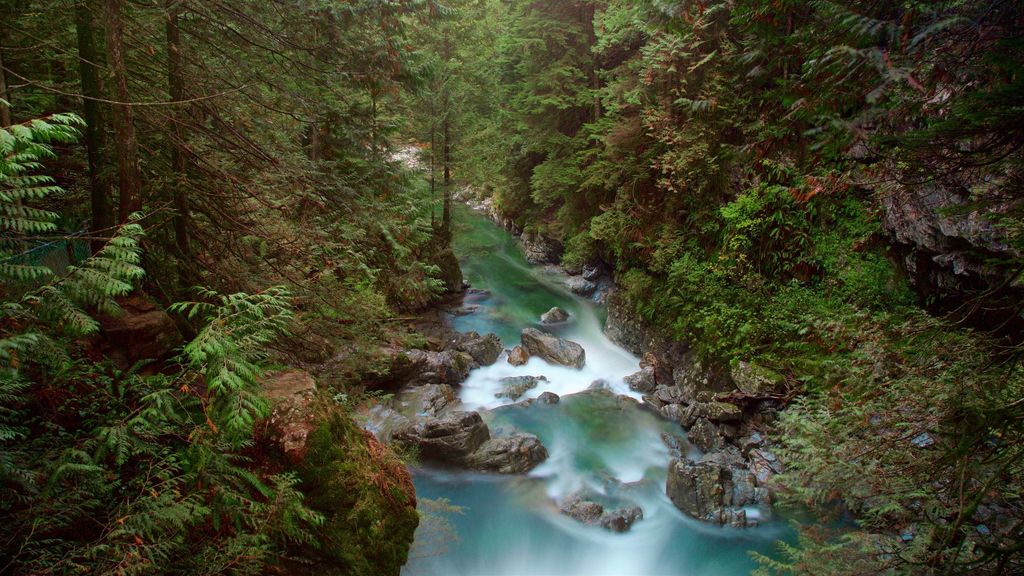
<point x="597" y="504"/>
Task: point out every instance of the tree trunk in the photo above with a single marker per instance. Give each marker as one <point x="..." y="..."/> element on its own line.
<point x="446" y="210"/>
<point x="5" y="109"/>
<point x="102" y="217"/>
<point x="129" y="180"/>
<point x="176" y="87"/>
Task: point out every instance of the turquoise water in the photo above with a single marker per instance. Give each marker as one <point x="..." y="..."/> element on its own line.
<point x="613" y="450"/>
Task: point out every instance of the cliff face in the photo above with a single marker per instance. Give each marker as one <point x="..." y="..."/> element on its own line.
<point x="950" y="250"/>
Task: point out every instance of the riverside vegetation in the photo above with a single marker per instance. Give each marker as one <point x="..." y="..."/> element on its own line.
<point x="212" y="257"/>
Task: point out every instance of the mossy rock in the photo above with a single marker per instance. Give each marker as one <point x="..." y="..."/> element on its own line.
<point x="366" y="496"/>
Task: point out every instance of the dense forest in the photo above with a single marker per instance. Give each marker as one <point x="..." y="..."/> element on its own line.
<point x="227" y="229"/>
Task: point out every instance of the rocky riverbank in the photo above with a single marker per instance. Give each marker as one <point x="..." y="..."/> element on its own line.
<point x="725" y="411"/>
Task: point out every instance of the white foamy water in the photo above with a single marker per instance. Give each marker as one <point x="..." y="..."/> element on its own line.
<point x="597" y="444"/>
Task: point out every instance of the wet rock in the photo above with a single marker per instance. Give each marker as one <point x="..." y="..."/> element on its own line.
<point x="513" y="387"/>
<point x="548" y="398"/>
<point x="756" y="380"/>
<point x="485" y="349"/>
<point x="518" y="356"/>
<point x="466" y="310"/>
<point x="676" y="445"/>
<point x="451" y="438"/>
<point x="292" y="419"/>
<point x="512" y="455"/>
<point x="594" y="514"/>
<point x="585" y="511"/>
<point x="641" y="381"/>
<point x="621" y="520"/>
<point x="580" y="286"/>
<point x="627" y="402"/>
<point x="707" y="489"/>
<point x="553" y="349"/>
<point x="554" y="316"/>
<point x="677" y="413"/>
<point x="600" y="384"/>
<point x="705" y="435"/>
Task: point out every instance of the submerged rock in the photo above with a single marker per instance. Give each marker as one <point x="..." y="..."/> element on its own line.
<point x="552" y="348"/>
<point x="512" y="455"/>
<point x="554" y="316"/>
<point x="518" y="356"/>
<point x="513" y="387"/>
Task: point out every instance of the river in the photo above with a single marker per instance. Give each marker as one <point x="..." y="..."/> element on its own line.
<point x="510" y="525"/>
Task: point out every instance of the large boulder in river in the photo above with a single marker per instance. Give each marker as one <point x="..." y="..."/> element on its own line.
<point x="715" y="488"/>
<point x="513" y="387"/>
<point x="552" y="348"/>
<point x="554" y="316"/>
<point x="450" y="439"/>
<point x="512" y="455"/>
<point x="484" y="349"/>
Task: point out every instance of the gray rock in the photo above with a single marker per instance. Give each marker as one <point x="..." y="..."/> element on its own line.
<point x="548" y="398"/>
<point x="668" y="394"/>
<point x="580" y="286"/>
<point x="600" y="384"/>
<point x="622" y="519"/>
<point x="756" y="380"/>
<point x="594" y="514"/>
<point x="713" y="489"/>
<point x="641" y="381"/>
<point x="512" y="455"/>
<point x="449" y="439"/>
<point x="540" y="249"/>
<point x="755" y="440"/>
<point x="765" y="465"/>
<point x="483" y="349"/>
<point x="446" y="367"/>
<point x="553" y="349"/>
<point x="554" y="316"/>
<point x="676" y="413"/>
<point x="429" y="399"/>
<point x="518" y="356"/>
<point x="515" y="386"/>
<point x="705" y="435"/>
